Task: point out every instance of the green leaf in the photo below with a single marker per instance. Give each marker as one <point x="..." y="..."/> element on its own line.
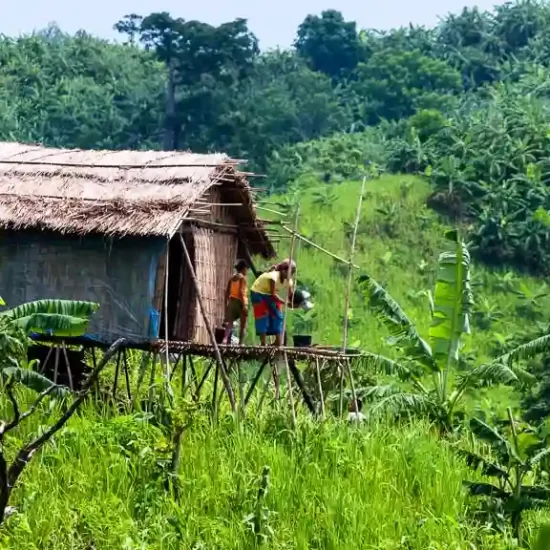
<point x="2" y="303"/>
<point x="541" y="455"/>
<point x="536" y="491"/>
<point x="493" y="373"/>
<point x="485" y="489"/>
<point x="403" y="332"/>
<point x="402" y="403"/>
<point x="526" y="351"/>
<point x="33" y="380"/>
<point x="490" y="435"/>
<point x="56" y="317"/>
<point x="488" y="468"/>
<point x="452" y="304"/>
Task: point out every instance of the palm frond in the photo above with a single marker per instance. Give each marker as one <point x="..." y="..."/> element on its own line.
<point x="383" y="364"/>
<point x="378" y="392"/>
<point x="493" y="373"/>
<point x="484" y="489"/>
<point x="526" y="351"/>
<point x="53" y="324"/>
<point x="32" y="380"/>
<point x="488" y="468"/>
<point x="70" y="308"/>
<point x="411" y="404"/>
<point x="389" y="312"/>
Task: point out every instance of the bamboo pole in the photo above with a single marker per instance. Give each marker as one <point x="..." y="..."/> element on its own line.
<point x="225" y="377"/>
<point x="348" y="293"/>
<point x="285" y="311"/>
<point x="166" y="267"/>
<point x="320" y="248"/>
<point x="270" y="210"/>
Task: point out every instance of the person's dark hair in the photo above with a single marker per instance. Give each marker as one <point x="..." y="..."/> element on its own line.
<point x="359" y="403"/>
<point x="241" y="265"/>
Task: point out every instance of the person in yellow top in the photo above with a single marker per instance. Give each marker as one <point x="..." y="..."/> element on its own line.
<point x="236" y="300"/>
<point x="267" y="303"/>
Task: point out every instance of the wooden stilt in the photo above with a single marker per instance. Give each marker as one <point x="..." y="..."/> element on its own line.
<point x="320" y="386"/>
<point x="241" y="387"/>
<point x="68" y="364"/>
<point x="264" y="390"/>
<point x="224" y="375"/>
<point x="56" y="365"/>
<point x="116" y="372"/>
<point x="184" y="375"/>
<point x="285" y="311"/>
<point x="141" y="374"/>
<point x="48" y="355"/>
<point x="255" y="382"/>
<point x="127" y="374"/>
<point x="215" y="394"/>
<point x="94" y="363"/>
<point x="348" y="290"/>
<point x="301" y="386"/>
<point x="193" y="371"/>
<point x="152" y="381"/>
<point x="203" y="380"/>
<point x="176" y="365"/>
<point x="341" y="401"/>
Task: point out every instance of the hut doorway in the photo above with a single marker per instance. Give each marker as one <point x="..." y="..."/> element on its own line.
<point x="181" y="295"/>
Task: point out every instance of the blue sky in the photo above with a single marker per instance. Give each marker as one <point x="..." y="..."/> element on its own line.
<point x="274" y="22"/>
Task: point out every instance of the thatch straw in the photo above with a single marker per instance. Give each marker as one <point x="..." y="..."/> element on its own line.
<point x="142" y="193"/>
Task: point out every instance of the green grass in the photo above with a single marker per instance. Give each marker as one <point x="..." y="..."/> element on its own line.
<point x="331" y="486"/>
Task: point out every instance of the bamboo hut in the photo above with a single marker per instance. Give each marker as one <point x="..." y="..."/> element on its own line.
<point x="105" y="226"/>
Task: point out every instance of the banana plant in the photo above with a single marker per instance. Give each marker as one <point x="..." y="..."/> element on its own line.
<point x="439" y="356"/>
<point x="43" y="317"/>
<point x="517" y="462"/>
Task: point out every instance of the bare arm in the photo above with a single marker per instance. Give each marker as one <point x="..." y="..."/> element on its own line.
<point x="227" y="291"/>
<point x="244" y="293"/>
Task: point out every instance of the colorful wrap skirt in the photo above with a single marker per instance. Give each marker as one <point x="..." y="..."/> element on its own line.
<point x="268" y="314"/>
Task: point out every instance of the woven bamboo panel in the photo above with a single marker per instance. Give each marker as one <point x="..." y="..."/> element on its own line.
<point x="215" y="256"/>
<point x="205" y="268"/>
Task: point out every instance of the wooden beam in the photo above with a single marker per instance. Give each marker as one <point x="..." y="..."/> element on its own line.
<point x="225" y="377"/>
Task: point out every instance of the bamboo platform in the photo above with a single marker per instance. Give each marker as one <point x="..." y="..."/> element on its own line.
<point x="198" y="362"/>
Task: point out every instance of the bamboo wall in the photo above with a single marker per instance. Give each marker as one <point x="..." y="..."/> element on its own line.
<point x="118" y="274"/>
<point x="215" y="257"/>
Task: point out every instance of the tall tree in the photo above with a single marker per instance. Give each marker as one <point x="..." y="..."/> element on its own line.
<point x="329" y="43"/>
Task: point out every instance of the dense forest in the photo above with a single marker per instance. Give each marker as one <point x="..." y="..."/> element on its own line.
<point x="464" y="104"/>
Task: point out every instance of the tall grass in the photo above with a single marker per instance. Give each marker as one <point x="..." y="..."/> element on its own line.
<point x="101" y="485"/>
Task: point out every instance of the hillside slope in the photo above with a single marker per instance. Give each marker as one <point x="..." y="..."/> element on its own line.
<point x="398" y="244"/>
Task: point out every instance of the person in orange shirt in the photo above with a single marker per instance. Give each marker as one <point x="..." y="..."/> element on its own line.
<point x="236" y="300"/>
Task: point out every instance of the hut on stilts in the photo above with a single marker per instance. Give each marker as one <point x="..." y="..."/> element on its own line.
<point x="151" y="236"/>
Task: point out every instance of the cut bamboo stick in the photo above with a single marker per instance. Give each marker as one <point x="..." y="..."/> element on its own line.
<point x="318" y="247"/>
<point x="270" y="210"/>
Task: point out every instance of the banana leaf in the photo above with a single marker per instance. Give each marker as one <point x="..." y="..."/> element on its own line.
<point x="452" y="304"/>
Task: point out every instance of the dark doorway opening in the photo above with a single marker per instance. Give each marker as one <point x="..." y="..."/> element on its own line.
<point x="180" y="292"/>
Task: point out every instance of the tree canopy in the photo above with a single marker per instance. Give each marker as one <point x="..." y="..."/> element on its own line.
<point x="463" y="103"/>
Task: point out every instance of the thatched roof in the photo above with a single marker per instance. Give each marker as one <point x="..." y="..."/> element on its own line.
<point x="141" y="193"/>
